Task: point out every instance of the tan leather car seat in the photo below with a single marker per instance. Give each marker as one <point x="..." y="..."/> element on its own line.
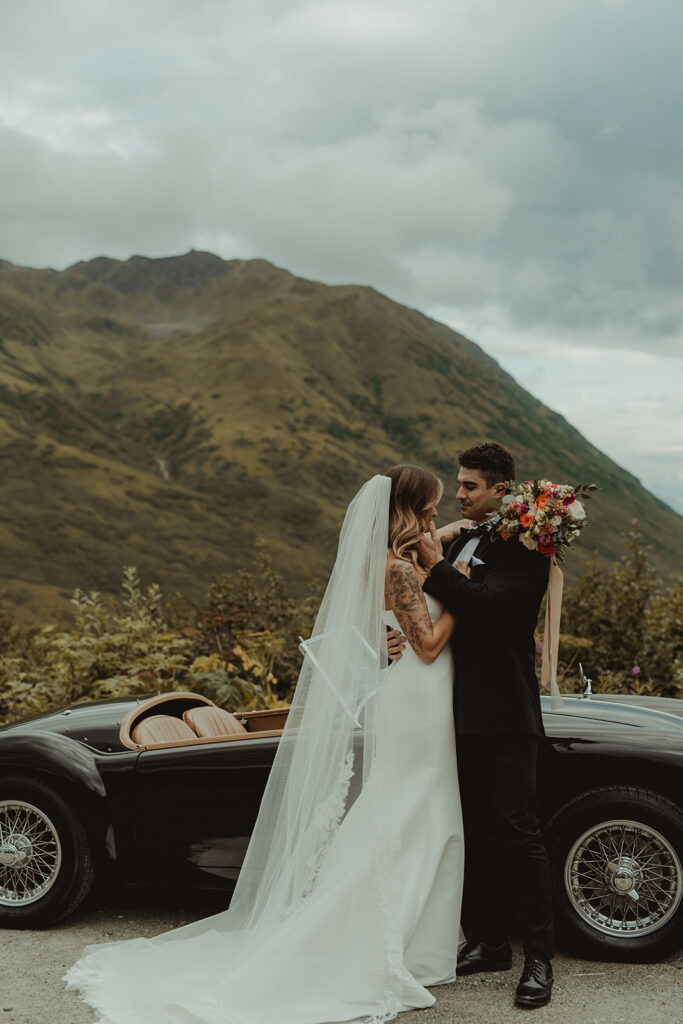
<point x="208" y="721"/>
<point x="161" y="729"/>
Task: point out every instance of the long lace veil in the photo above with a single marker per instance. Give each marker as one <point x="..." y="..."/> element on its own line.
<point x="326" y="750"/>
<point x="323" y="762"/>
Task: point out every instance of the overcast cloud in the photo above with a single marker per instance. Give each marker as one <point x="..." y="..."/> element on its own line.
<point x="512" y="168"/>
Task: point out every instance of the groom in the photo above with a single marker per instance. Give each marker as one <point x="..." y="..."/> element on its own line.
<point x="498" y="724"/>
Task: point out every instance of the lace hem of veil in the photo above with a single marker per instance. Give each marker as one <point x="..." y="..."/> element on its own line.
<point x="327" y="820"/>
<point x="88" y="981"/>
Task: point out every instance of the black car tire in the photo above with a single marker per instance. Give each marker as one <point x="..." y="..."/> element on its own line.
<point x="604" y="845"/>
<point x="66" y="868"/>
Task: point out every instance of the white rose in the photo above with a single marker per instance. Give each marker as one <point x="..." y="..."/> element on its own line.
<point x="577" y="510"/>
<point x="528" y="541"/>
<point x="556" y="520"/>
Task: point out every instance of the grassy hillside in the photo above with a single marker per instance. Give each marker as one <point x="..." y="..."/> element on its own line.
<point x="168" y="413"/>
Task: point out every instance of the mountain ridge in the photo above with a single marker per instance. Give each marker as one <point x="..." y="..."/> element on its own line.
<point x="152" y="411"/>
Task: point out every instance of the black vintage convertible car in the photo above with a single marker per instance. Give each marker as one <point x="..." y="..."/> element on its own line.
<point x="165" y="790"/>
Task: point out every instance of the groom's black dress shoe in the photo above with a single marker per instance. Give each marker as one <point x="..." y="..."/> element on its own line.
<point x="535" y="984"/>
<point x="477" y="956"/>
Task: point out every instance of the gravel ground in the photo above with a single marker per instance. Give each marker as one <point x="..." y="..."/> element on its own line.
<point x="33" y="962"/>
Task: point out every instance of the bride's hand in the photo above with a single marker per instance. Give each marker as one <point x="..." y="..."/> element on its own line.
<point x="464" y="567"/>
<point x="429" y="549"/>
<point x="452" y="530"/>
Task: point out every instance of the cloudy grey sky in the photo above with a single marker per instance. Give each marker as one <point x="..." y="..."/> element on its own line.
<point x="512" y="168"/>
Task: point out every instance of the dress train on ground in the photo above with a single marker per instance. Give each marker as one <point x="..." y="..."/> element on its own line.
<point x="380" y="924"/>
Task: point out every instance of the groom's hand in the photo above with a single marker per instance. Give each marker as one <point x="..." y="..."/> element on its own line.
<point x="395" y="644"/>
<point x="429" y="549"/>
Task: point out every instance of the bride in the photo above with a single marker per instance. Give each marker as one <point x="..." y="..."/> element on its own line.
<point x="348" y="903"/>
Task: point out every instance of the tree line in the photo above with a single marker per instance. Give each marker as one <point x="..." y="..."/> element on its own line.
<point x="239" y="645"/>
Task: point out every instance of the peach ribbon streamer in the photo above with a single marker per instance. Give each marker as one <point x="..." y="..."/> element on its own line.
<point x="551" y="634"/>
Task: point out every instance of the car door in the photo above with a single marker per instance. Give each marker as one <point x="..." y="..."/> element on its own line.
<point x="195" y="808"/>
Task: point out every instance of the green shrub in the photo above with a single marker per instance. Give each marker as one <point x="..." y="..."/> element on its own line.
<point x="110" y="650"/>
<point x="239" y="648"/>
<point x="629" y="624"/>
<point x="250" y="615"/>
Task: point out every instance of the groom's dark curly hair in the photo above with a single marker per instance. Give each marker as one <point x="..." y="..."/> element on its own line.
<point x="494" y="462"/>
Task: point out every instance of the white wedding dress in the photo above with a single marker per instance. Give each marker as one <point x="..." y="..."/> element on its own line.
<point x="380" y="924"/>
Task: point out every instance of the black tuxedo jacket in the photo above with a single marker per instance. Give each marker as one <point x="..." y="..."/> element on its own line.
<point x="496" y="689"/>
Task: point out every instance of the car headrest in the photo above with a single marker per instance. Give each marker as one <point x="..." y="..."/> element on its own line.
<point x="210" y="721"/>
<point x="161" y="729"/>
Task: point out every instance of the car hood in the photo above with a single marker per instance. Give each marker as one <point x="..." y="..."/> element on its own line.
<point x="95" y="723"/>
<point x="671" y="705"/>
<point x="657" y="715"/>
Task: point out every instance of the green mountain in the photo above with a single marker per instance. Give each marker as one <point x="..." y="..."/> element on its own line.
<point x="168" y="413"/>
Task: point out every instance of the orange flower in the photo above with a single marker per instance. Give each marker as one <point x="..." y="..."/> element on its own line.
<point x="541" y="501"/>
<point x="505" y="535"/>
<point x="526" y="521"/>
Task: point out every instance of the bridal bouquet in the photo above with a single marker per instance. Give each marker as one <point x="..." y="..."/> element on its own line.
<point x="544" y="516"/>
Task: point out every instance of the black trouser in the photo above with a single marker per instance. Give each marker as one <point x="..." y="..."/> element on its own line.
<point x="506" y="862"/>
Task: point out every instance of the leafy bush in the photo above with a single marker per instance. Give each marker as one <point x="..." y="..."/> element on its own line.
<point x="240" y="649"/>
<point x="109" y="651"/>
<point x="239" y="646"/>
<point x="253" y="625"/>
<point x="625" y="625"/>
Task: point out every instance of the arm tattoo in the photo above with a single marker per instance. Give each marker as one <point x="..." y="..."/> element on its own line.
<point x="406" y="599"/>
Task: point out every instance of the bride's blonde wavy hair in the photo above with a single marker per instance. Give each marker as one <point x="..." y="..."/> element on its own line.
<point x="413" y="492"/>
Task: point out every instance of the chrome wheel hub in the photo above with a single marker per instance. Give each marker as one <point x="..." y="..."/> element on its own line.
<point x="624" y="875"/>
<point x="14" y="851"/>
<point x="624" y="878"/>
<point x="30" y="853"/>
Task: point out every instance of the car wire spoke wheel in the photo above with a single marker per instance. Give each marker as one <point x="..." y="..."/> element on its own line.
<point x="624" y="878"/>
<point x="30" y="853"/>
